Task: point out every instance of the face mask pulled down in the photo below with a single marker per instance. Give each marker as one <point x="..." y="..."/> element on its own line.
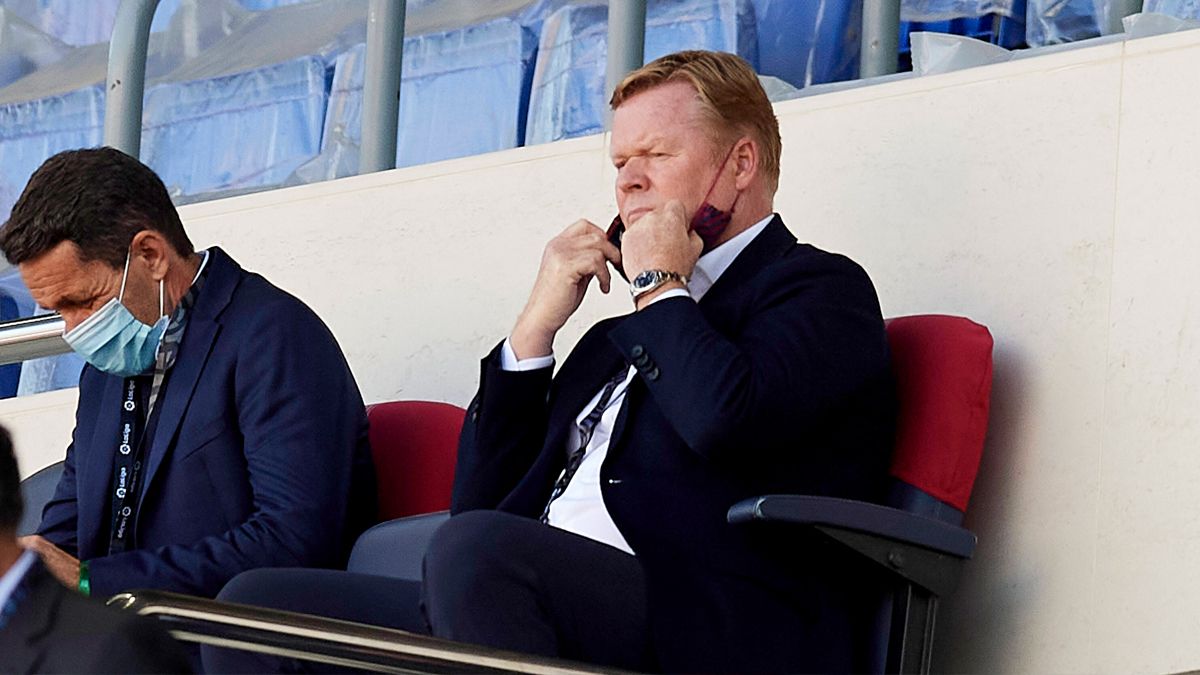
<point x="114" y="341"/>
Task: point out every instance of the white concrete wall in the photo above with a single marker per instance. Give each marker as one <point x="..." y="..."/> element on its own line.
<point x="1052" y="199"/>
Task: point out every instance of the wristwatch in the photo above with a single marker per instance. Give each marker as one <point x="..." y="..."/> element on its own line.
<point x="652" y="279"/>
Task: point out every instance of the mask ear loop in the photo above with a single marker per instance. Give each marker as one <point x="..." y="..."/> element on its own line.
<point x="124" y="277"/>
<point x="717" y="177"/>
<point x="161" y="307"/>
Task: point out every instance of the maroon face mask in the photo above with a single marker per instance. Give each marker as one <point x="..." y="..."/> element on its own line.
<point x="709" y="222"/>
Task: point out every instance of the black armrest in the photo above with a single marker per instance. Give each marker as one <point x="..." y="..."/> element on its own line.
<point x="881" y="521"/>
<point x="328" y="641"/>
<point x="925" y="551"/>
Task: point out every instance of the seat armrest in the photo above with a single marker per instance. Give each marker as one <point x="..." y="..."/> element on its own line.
<point x="873" y="519"/>
<point x="397" y="547"/>
<point x="922" y="551"/>
<point x="327" y="641"/>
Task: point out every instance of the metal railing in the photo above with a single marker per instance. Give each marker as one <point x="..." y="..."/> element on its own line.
<point x="126" y="82"/>
<point x="381" y="85"/>
<point x="328" y="641"/>
<point x="626" y="43"/>
<point x="24" y="339"/>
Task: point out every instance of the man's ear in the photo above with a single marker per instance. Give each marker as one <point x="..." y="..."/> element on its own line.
<point x="745" y="162"/>
<point x="152" y="249"/>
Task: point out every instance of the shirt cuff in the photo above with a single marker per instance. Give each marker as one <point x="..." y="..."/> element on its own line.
<point x="509" y="360"/>
<point x="673" y="293"/>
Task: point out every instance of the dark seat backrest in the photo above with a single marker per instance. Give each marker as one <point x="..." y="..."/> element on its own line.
<point x="415" y="446"/>
<point x="36" y="492"/>
<point x="943" y="369"/>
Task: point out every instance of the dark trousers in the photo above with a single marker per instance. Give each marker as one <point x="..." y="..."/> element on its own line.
<point x="492" y="579"/>
<point x="362" y="598"/>
<point x="508" y="582"/>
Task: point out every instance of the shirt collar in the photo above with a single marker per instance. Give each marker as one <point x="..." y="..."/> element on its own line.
<point x="713" y="264"/>
<point x="12" y="578"/>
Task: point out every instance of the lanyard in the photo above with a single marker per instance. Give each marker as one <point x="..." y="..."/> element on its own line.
<point x="128" y="467"/>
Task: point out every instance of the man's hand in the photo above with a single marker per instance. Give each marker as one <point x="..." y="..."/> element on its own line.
<point x="61" y="564"/>
<point x="661" y="240"/>
<point x="568" y="264"/>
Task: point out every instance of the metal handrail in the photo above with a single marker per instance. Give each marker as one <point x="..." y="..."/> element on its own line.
<point x="126" y="83"/>
<point x="328" y="641"/>
<point x="35" y="337"/>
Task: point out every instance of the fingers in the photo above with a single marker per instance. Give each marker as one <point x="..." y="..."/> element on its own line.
<point x="32" y="542"/>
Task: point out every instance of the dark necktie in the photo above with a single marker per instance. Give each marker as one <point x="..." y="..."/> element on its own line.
<point x="586" y="428"/>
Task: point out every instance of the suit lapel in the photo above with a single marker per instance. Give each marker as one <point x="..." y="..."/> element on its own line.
<point x="93" y="463"/>
<point x="582" y="378"/>
<point x="200" y="334"/>
<point x="772" y="243"/>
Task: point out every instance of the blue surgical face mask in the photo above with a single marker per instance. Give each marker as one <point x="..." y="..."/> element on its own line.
<point x="114" y="341"/>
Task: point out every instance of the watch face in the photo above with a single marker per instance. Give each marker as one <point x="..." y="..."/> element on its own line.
<point x="644" y="279"/>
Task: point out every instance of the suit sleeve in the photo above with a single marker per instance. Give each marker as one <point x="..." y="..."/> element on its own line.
<point x="502" y="435"/>
<point x="813" y="339"/>
<point x="300" y="416"/>
<point x="60" y="516"/>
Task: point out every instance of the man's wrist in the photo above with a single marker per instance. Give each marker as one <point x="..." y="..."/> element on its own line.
<point x="85" y="578"/>
<point x="644" y="300"/>
<point x="530" y="343"/>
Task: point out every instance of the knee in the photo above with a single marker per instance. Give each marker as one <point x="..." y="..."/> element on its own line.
<point x="261" y="587"/>
<point x="471" y="549"/>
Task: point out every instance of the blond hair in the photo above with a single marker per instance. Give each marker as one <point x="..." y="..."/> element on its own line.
<point x="729" y="93"/>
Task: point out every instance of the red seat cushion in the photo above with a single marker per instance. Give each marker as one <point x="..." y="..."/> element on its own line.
<point x="414" y="445"/>
<point x="943" y="368"/>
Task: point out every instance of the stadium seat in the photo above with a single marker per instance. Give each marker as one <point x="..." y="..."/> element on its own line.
<point x="414" y="445"/>
<point x="807" y="43"/>
<point x="463" y="92"/>
<point x="943" y="369"/>
<point x="249" y="110"/>
<point x="568" y="98"/>
<point x="36" y="491"/>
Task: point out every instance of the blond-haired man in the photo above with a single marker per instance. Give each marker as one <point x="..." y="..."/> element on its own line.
<point x="750" y="365"/>
<point x="590" y="504"/>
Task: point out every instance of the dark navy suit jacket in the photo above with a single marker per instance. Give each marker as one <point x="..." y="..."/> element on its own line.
<point x="258" y="455"/>
<point x="778" y="381"/>
<point x="56" y="630"/>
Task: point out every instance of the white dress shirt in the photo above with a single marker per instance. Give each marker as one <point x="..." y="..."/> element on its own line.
<point x="580" y="508"/>
<point x="12" y="578"/>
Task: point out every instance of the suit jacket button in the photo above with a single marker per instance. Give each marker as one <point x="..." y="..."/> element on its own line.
<point x="641" y="361"/>
<point x="637" y="351"/>
<point x="653" y="374"/>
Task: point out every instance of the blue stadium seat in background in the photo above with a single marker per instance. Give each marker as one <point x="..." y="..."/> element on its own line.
<point x="810" y="42"/>
<point x="568" y="97"/>
<point x="464" y="91"/>
<point x="81" y="22"/>
<point x="250" y="109"/>
<point x="68" y="114"/>
<point x="24" y="48"/>
<point x="61" y="105"/>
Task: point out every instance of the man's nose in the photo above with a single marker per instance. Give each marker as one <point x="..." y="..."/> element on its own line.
<point x="631" y="177"/>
